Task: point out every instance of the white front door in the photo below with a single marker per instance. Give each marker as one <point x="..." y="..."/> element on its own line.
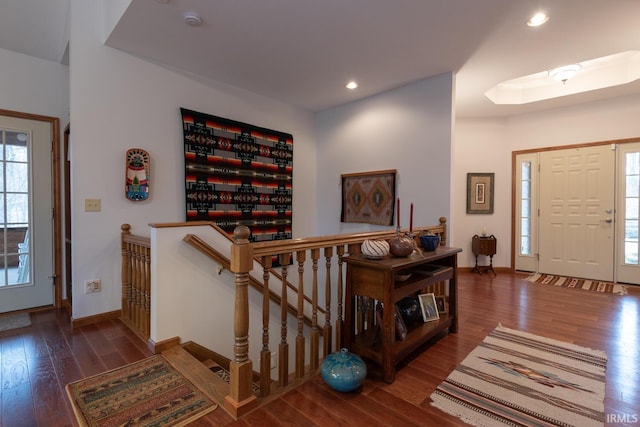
<point x="577" y="212"/>
<point x="26" y="258"/>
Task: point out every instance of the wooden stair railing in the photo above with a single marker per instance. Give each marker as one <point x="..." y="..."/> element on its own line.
<point x="241" y="399"/>
<point x="225" y="263"/>
<point x="136" y="282"/>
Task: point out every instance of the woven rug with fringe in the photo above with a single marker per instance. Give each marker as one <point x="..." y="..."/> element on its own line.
<point x="515" y="378"/>
<point x="144" y="393"/>
<point x="572" y="282"/>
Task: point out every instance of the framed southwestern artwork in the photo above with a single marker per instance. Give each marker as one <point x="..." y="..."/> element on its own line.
<point x="368" y="197"/>
<point x="480" y="193"/>
<point x="238" y="174"/>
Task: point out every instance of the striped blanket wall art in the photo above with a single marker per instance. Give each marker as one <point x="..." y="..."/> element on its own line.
<point x="238" y="174"/>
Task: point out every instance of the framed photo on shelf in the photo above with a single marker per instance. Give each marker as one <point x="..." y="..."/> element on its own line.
<point x="441" y="303"/>
<point x="429" y="307"/>
<point x="480" y="193"/>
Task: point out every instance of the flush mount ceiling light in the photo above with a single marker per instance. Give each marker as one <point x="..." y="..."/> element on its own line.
<point x="351" y="85"/>
<point x="192" y="19"/>
<point x="564" y="73"/>
<point x="538" y="19"/>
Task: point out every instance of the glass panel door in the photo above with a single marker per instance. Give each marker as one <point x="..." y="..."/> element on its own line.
<point x="26" y="213"/>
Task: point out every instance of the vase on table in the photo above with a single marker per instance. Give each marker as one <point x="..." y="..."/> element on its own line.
<point x="401" y="245"/>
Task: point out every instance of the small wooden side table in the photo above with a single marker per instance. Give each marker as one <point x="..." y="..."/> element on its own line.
<point x="484" y="245"/>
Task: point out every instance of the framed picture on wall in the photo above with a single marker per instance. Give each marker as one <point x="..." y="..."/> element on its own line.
<point x="480" y="193"/>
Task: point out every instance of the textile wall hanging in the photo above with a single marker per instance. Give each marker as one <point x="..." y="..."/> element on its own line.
<point x="369" y="197"/>
<point x="238" y="174"/>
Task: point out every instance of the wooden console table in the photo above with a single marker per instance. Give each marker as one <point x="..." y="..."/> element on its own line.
<point x="385" y="281"/>
<point x="484" y="245"/>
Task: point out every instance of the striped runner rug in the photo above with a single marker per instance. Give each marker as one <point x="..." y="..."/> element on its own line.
<point x="515" y="378"/>
<point x="572" y="282"/>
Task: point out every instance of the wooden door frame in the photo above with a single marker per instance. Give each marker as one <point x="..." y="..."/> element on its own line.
<point x="54" y="122"/>
<point x="515" y="183"/>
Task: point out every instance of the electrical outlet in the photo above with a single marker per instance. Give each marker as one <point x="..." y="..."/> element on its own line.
<point x="92" y="205"/>
<point x="274" y="360"/>
<point x="91" y="286"/>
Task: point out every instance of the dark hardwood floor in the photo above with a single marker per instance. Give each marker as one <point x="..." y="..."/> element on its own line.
<point x="36" y="362"/>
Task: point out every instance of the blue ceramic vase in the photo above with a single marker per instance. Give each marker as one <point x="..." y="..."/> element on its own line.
<point x="343" y="371"/>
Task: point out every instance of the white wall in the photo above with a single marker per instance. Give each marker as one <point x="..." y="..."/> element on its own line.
<point x="486" y="146"/>
<point x="480" y="146"/>
<point x="120" y="102"/>
<point x="408" y="129"/>
<point x="33" y="85"/>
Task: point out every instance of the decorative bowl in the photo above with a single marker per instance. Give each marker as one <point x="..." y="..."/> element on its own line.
<point x="375" y="249"/>
<point x="429" y="242"/>
<point x="402" y="277"/>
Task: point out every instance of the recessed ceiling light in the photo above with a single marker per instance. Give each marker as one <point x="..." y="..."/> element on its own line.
<point x="538" y="19"/>
<point x="351" y="85"/>
<point x="192" y="19"/>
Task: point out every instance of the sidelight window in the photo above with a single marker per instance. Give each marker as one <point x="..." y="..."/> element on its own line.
<point x="631" y="207"/>
<point x="15" y="265"/>
<point x="525" y="208"/>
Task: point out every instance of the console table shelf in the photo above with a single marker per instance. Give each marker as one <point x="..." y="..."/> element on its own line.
<point x="388" y="281"/>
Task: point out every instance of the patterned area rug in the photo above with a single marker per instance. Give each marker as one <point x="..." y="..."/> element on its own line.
<point x="518" y="379"/>
<point x="572" y="282"/>
<point x="15" y="321"/>
<point x="145" y="393"/>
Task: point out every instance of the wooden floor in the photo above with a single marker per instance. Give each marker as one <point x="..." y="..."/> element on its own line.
<point x="37" y="361"/>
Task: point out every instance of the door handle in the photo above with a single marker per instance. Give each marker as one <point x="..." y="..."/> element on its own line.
<point x="608" y="220"/>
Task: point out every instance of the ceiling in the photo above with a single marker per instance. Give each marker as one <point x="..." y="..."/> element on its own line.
<point x="303" y="52"/>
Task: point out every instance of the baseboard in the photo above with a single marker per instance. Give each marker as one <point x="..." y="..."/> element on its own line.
<point x="89" y="320"/>
<point x="497" y="269"/>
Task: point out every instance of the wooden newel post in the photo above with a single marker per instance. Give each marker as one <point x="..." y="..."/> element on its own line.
<point x="241" y="399"/>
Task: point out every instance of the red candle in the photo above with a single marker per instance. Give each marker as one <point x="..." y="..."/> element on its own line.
<point x="398" y="212"/>
<point x="411" y="219"/>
